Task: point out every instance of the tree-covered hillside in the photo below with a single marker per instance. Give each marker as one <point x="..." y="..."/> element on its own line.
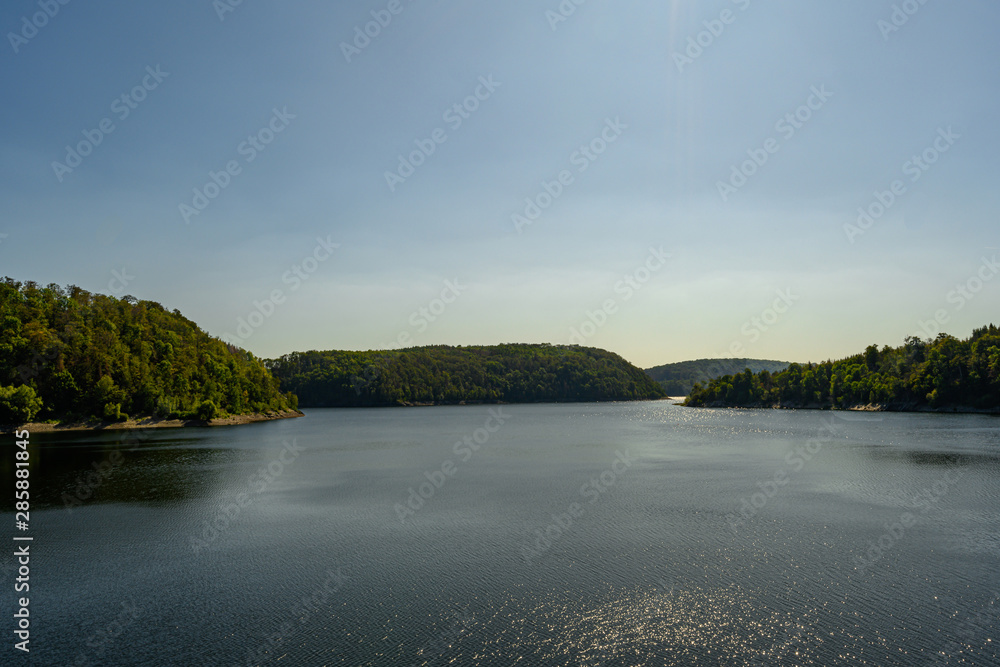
<point x="444" y="374"/>
<point x="946" y="373"/>
<point x="678" y="379"/>
<point x="67" y="354"/>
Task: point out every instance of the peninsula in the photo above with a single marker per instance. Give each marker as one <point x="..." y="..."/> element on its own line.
<point x="940" y="375"/>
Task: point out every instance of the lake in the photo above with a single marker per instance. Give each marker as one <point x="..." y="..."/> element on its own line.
<point x="566" y="534"/>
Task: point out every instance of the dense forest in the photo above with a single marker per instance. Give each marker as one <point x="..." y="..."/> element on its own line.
<point x="941" y="374"/>
<point x="67" y="354"/>
<point x="680" y="378"/>
<point x="443" y="374"/>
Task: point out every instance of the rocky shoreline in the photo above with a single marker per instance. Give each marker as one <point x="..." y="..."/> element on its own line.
<point x="152" y="422"/>
<point x="871" y="407"/>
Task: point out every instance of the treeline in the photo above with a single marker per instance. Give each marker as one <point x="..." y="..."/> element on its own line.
<point x="944" y="373"/>
<point x="447" y="375"/>
<point x="67" y="354"/>
<point x="678" y="379"/>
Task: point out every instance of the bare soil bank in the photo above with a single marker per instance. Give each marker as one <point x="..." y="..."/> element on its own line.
<point x="150" y="422"/>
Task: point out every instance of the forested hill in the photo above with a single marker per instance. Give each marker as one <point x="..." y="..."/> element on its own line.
<point x="941" y="374"/>
<point x="679" y="378"/>
<point x="444" y="374"/>
<point x="67" y="354"/>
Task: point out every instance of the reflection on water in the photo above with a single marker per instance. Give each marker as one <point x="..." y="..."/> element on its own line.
<point x="649" y="573"/>
<point x="152" y="467"/>
<point x="677" y="627"/>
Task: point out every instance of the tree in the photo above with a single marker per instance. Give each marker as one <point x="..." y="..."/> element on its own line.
<point x="207" y="411"/>
<point x="944" y="373"/>
<point x="113" y="412"/>
<point x="871" y="357"/>
<point x="445" y="374"/>
<point x="63" y="393"/>
<point x="81" y="352"/>
<point x="18" y="405"/>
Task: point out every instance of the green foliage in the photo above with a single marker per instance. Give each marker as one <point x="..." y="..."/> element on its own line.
<point x="207" y="410"/>
<point x="94" y="356"/>
<point x="18" y="405"/>
<point x="680" y="378"/>
<point x="113" y="413"/>
<point x="943" y="373"/>
<point x="445" y="374"/>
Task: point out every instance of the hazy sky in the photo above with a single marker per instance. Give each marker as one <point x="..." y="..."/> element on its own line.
<point x="335" y="172"/>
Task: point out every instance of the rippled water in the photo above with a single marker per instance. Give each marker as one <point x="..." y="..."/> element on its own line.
<point x="612" y="534"/>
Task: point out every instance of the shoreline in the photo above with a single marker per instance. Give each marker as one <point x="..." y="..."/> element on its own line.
<point x="151" y="422"/>
<point x="950" y="410"/>
<point x="435" y="404"/>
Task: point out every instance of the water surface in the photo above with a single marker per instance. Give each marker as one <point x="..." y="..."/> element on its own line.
<point x="593" y="534"/>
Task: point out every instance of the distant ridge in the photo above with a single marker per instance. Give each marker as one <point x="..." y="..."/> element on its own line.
<point x="679" y="378"/>
<point x="441" y="374"/>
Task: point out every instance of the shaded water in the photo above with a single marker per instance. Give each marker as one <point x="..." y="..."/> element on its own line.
<point x="594" y="534"/>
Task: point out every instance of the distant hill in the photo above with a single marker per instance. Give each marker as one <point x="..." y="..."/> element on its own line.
<point x="944" y="374"/>
<point x="678" y="379"/>
<point x="67" y="355"/>
<point x="443" y="374"/>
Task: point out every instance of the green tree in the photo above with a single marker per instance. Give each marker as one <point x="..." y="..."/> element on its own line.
<point x="445" y="374"/>
<point x="871" y="357"/>
<point x="944" y="373"/>
<point x="81" y="351"/>
<point x="113" y="412"/>
<point x="207" y="411"/>
<point x="18" y="405"/>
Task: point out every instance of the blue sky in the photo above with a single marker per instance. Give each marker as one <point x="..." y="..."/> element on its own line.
<point x="739" y="138"/>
